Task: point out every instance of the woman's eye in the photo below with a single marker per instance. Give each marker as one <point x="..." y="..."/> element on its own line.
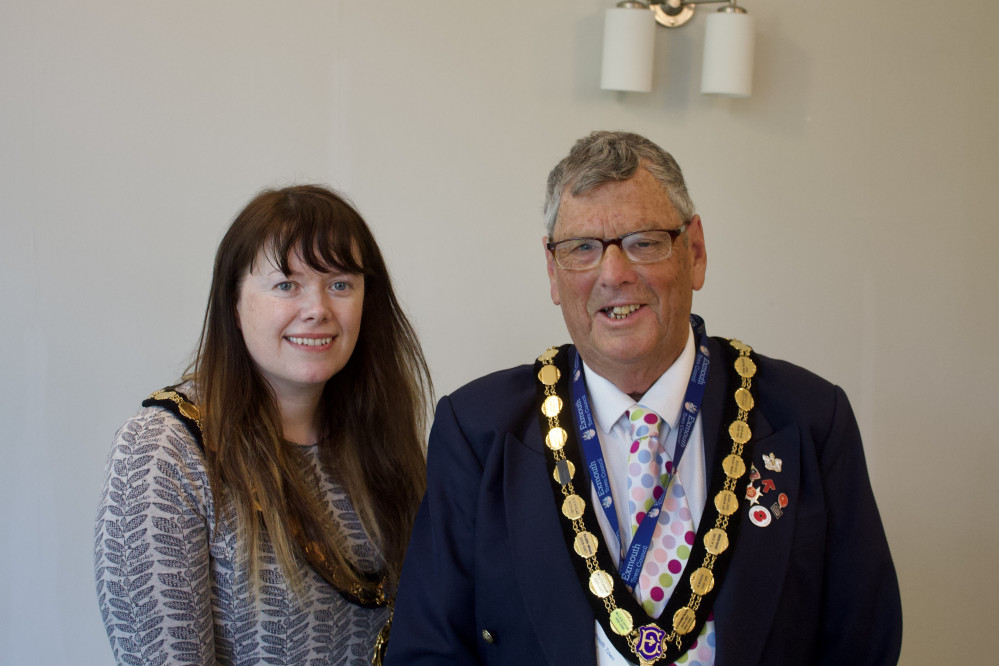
<point x="341" y="285"/>
<point x="284" y="286"/>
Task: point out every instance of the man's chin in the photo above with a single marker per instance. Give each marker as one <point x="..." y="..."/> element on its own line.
<point x="624" y="354"/>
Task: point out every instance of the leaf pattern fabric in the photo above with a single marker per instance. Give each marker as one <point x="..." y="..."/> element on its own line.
<point x="172" y="588"/>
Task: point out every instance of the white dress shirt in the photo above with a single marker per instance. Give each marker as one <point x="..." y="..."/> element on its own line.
<point x="609" y="405"/>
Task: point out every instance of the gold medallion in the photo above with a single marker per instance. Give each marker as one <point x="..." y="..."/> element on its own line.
<point x="190" y="411"/>
<point x="739" y="345"/>
<point x="716" y="541"/>
<point x="733" y="466"/>
<point x="684" y="620"/>
<point x="601" y="584"/>
<point x="549" y="375"/>
<point x="573" y="506"/>
<point x="585" y="544"/>
<point x="743" y="365"/>
<point x="548" y="355"/>
<point x="740" y="432"/>
<point x="726" y="502"/>
<point x="556" y="438"/>
<point x="744" y="399"/>
<point x="621" y="622"/>
<point x="701" y="581"/>
<point x="551" y="406"/>
<point x="564" y="471"/>
<point x="161" y="395"/>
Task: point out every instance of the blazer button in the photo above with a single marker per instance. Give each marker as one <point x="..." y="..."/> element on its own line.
<point x="488" y="637"/>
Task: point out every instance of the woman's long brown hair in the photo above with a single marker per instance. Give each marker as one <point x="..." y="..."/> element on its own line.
<point x="372" y="414"/>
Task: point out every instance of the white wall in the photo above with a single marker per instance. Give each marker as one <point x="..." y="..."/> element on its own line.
<point x="849" y="208"/>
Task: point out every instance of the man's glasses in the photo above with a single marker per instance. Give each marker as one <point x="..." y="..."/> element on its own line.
<point x="641" y="247"/>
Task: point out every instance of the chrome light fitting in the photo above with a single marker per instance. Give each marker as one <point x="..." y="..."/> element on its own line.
<point x="629" y="45"/>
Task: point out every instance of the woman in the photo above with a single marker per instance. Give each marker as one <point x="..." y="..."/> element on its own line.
<point x="259" y="511"/>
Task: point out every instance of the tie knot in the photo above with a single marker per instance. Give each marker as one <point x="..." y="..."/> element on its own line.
<point x="644" y="423"/>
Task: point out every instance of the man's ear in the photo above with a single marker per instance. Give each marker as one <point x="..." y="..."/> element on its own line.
<point x="550" y="262"/>
<point x="698" y="252"/>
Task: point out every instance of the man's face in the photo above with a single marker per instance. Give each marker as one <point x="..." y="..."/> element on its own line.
<point x="628" y="321"/>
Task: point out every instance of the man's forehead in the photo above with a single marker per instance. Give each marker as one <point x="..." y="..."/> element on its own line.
<point x="640" y="202"/>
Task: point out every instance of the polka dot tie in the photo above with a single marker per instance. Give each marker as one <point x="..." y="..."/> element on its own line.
<point x="646" y="472"/>
<point x="649" y="470"/>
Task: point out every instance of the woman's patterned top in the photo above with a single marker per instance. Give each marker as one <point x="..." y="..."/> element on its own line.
<point x="171" y="586"/>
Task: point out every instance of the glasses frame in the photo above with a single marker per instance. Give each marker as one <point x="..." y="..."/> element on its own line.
<point x="619" y="242"/>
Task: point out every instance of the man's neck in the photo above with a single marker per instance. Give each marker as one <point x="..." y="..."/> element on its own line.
<point x="665" y="395"/>
<point x="631" y="380"/>
<point x="635" y="380"/>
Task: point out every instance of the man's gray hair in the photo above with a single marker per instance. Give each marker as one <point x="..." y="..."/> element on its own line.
<point x="604" y="157"/>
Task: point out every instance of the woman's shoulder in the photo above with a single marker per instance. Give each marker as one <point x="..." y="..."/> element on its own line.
<point x="154" y="457"/>
<point x="160" y="433"/>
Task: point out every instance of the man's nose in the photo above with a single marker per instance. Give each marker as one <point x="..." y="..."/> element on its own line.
<point x="616" y="267"/>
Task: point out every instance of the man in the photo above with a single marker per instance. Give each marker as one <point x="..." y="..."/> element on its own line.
<point x="649" y="494"/>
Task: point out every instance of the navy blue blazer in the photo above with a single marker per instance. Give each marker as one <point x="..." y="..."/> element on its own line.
<point x="815" y="586"/>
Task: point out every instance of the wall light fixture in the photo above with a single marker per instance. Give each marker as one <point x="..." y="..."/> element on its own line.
<point x="629" y="45"/>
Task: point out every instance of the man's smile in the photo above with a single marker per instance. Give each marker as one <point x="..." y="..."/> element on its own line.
<point x="620" y="311"/>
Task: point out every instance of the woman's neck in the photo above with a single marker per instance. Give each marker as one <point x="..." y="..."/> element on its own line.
<point x="298" y="418"/>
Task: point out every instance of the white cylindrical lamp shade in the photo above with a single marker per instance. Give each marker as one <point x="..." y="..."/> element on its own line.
<point x="728" y="55"/>
<point x="629" y="47"/>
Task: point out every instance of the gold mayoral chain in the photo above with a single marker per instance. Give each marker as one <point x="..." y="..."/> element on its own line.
<point x="612" y="602"/>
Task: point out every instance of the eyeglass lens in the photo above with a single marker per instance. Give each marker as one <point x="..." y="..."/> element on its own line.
<point x="641" y="248"/>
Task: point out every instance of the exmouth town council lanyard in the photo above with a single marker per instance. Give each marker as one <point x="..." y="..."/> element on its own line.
<point x="634" y="558"/>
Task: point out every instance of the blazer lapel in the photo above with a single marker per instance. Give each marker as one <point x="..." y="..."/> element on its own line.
<point x="747" y="600"/>
<point x="552" y="593"/>
<point x="712" y="407"/>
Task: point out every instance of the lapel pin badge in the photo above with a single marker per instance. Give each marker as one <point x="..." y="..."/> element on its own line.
<point x="772" y="462"/>
<point x="760" y="516"/>
<point x="778" y="507"/>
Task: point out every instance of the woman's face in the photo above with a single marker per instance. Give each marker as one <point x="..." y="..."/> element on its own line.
<point x="300" y="329"/>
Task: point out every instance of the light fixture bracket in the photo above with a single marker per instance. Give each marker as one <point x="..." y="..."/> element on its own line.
<point x="674" y="13"/>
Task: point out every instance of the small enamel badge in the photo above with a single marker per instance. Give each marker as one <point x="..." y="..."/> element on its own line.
<point x="777" y="509"/>
<point x="760" y="516"/>
<point x="649" y="645"/>
<point x="754" y="474"/>
<point x="752" y="494"/>
<point x="772" y="462"/>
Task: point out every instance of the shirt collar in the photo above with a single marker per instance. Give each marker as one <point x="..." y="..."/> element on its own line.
<point x="665" y="396"/>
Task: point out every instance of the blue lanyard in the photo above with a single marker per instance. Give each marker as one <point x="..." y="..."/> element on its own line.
<point x="632" y="561"/>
